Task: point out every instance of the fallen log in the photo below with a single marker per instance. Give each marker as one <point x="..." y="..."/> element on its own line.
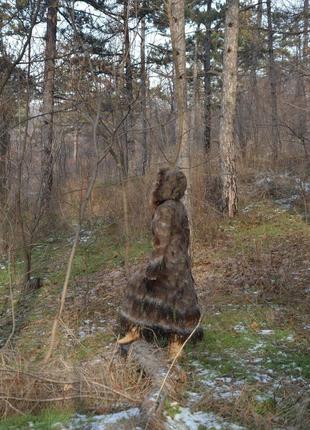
<point x="153" y="362"/>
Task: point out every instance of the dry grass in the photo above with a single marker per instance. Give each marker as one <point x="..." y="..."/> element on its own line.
<point x="286" y="407"/>
<point x="104" y="384"/>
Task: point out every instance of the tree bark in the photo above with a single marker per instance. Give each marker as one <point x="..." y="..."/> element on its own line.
<point x="128" y="149"/>
<point x="175" y="9"/>
<point x="48" y="103"/>
<point x="128" y="68"/>
<point x="256" y="48"/>
<point x="275" y="136"/>
<point x="228" y="109"/>
<point x="4" y="148"/>
<point x="306" y="31"/>
<point x="305" y="62"/>
<point x="207" y="79"/>
<point x="195" y="100"/>
<point x="143" y="99"/>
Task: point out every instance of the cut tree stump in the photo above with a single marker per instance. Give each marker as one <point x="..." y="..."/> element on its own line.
<point x="153" y="362"/>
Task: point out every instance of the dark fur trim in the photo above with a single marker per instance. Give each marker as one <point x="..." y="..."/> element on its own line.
<point x="163" y="311"/>
<point x="155" y="331"/>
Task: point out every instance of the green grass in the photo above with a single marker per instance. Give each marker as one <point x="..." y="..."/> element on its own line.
<point x="171" y="409"/>
<point x="46" y="420"/>
<point x="259" y="228"/>
<point x="91" y="345"/>
<point x="226" y="351"/>
<point x="102" y="250"/>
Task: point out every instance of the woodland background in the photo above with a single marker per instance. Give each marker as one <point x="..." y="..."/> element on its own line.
<point x="95" y="96"/>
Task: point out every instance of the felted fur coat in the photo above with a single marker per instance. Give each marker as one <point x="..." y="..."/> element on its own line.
<point x="161" y="296"/>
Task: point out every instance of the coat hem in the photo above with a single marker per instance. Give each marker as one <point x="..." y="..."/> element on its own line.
<point x="151" y="331"/>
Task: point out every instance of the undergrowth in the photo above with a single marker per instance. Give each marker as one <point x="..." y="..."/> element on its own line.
<point x="252" y="277"/>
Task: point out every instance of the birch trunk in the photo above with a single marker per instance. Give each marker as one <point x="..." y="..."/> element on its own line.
<point x="228" y="109"/>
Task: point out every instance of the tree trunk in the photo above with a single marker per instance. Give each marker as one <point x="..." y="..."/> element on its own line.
<point x="128" y="68"/>
<point x="177" y="30"/>
<point x="275" y="137"/>
<point x="48" y="103"/>
<point x="195" y="100"/>
<point x="4" y="148"/>
<point x="228" y="109"/>
<point x="256" y="48"/>
<point x="303" y="118"/>
<point x="305" y="31"/>
<point x="256" y="44"/>
<point x="128" y="150"/>
<point x="143" y="99"/>
<point x="207" y="79"/>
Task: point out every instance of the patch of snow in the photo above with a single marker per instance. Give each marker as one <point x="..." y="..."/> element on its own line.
<point x="304" y="186"/>
<point x="262" y="377"/>
<point x="228" y="393"/>
<point x="266" y="332"/>
<point x="221" y="387"/>
<point x="194" y="397"/>
<point x="102" y="422"/>
<point x="257" y="347"/>
<point x="57" y="426"/>
<point x="240" y="328"/>
<point x="307" y="327"/>
<point x="263" y="397"/>
<point x="287" y="203"/>
<point x="187" y="420"/>
<point x="2" y="266"/>
<point x="85" y="236"/>
<point x="250" y="207"/>
<point x="82" y="334"/>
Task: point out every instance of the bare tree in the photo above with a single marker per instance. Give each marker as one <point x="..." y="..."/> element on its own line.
<point x="256" y="48"/>
<point x="4" y="147"/>
<point x="175" y="9"/>
<point x="275" y="137"/>
<point x="48" y="102"/>
<point x="228" y="108"/>
<point x="302" y="88"/>
<point x="207" y="79"/>
<point x="143" y="96"/>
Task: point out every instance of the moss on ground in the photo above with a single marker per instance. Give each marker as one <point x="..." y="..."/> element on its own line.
<point x="46" y="420"/>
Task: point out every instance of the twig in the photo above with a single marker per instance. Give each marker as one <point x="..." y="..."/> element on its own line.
<point x="12" y="302"/>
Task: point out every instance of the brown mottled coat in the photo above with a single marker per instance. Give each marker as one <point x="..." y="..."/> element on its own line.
<point x="161" y="296"/>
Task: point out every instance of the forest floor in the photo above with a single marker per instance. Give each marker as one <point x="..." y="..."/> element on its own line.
<point x="252" y="369"/>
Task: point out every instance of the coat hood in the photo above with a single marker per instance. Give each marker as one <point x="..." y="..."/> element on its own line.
<point x="170" y="185"/>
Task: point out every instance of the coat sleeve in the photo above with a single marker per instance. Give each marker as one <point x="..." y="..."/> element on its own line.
<point x="162" y="224"/>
